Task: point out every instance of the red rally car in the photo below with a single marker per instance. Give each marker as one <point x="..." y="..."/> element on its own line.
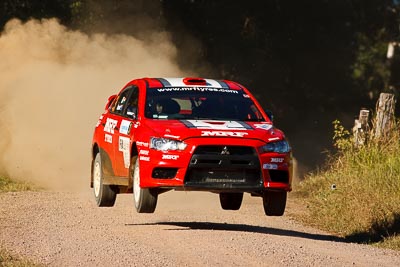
<point x="160" y="134"/>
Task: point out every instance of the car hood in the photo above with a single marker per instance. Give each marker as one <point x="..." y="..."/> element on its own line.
<point x="184" y="129"/>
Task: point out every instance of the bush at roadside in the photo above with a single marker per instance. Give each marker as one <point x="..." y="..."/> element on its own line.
<point x="357" y="195"/>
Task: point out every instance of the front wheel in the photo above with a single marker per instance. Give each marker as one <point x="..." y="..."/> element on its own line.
<point x="145" y="198"/>
<point x="230" y="201"/>
<point x="274" y="202"/>
<point x="105" y="196"/>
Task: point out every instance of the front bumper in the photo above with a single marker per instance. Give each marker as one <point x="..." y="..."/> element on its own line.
<point x="217" y="164"/>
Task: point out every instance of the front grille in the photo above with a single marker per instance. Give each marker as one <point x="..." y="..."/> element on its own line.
<point x="224" y="167"/>
<point x="218" y="150"/>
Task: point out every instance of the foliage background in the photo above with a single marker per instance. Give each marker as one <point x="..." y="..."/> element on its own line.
<point x="310" y="62"/>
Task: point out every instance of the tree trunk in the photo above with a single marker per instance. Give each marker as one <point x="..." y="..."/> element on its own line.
<point x="384" y="120"/>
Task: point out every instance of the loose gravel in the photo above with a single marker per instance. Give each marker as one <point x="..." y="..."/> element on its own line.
<point x="187" y="229"/>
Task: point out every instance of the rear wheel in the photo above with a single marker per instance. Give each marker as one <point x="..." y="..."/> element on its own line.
<point x="230" y="201"/>
<point x="105" y="196"/>
<point x="274" y="202"/>
<point x="145" y="198"/>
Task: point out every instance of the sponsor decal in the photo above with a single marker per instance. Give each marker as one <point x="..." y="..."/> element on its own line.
<point x="139" y="143"/>
<point x="263" y="126"/>
<point x="223" y="133"/>
<point x="173" y="157"/>
<point x="125" y="127"/>
<point x="124" y="147"/>
<point x="123" y="143"/>
<point x="144" y="152"/>
<point x="279" y="160"/>
<point x="110" y="125"/>
<point x="144" y="158"/>
<point x="108" y="138"/>
<point x="216" y="125"/>
<point x="269" y="166"/>
<point x="197" y="89"/>
<point x="246" y="96"/>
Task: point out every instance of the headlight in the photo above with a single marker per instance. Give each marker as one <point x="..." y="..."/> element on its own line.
<point x="164" y="144"/>
<point x="278" y="147"/>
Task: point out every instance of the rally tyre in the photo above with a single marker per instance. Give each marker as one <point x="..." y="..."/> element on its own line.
<point x="274" y="202"/>
<point x="230" y="201"/>
<point x="105" y="196"/>
<point x="145" y="198"/>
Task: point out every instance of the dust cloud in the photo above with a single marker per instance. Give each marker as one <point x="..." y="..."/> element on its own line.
<point x="54" y="83"/>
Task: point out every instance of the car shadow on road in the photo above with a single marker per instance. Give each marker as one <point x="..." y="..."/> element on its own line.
<point x="245" y="228"/>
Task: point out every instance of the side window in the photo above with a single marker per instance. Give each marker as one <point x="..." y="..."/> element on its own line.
<point x="132" y="106"/>
<point x="119" y="105"/>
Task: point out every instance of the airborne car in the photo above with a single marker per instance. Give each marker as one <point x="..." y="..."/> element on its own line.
<point x="192" y="134"/>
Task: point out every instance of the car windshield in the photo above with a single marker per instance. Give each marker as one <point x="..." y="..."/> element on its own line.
<point x="200" y="103"/>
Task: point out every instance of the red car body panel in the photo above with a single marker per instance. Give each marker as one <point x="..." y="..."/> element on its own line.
<point x="120" y="137"/>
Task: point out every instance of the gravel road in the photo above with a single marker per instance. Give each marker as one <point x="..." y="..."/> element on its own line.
<point x="187" y="229"/>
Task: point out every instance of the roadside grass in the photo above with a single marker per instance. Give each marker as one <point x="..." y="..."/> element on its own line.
<point x="357" y="194"/>
<point x="8" y="260"/>
<point x="390" y="243"/>
<point x="9" y="185"/>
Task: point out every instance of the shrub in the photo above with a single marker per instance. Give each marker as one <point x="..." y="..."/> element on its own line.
<point x="357" y="194"/>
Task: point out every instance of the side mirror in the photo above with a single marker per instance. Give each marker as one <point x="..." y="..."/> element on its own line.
<point x="269" y="114"/>
<point x="110" y="100"/>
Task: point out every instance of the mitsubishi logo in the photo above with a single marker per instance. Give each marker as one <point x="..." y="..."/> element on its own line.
<point x="225" y="151"/>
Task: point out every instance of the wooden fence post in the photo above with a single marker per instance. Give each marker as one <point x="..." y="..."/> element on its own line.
<point x="361" y="128"/>
<point x="384" y="120"/>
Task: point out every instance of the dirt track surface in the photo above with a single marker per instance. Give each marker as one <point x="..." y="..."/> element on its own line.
<point x="187" y="229"/>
